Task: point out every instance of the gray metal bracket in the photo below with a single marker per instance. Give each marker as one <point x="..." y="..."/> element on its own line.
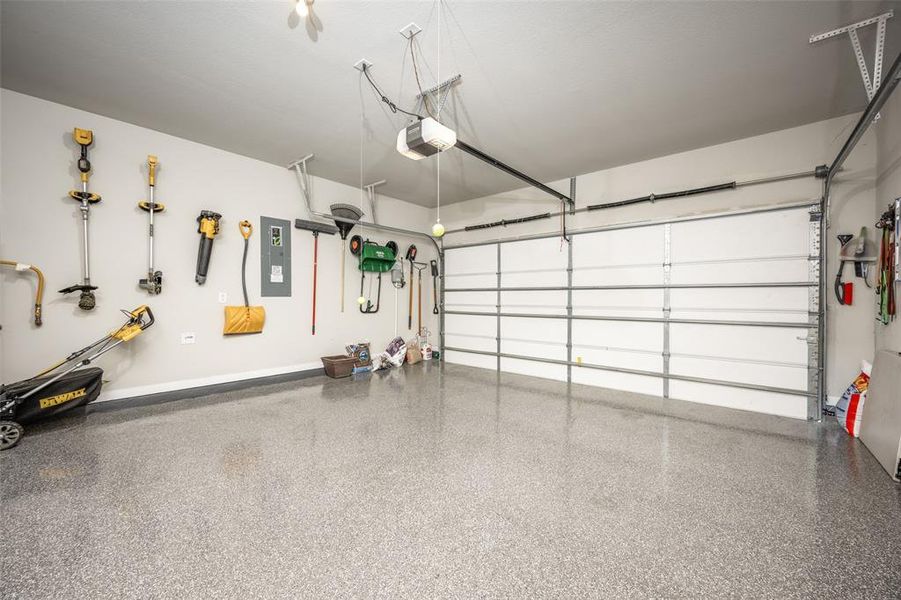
<point x="815" y="316"/>
<point x="440" y="91"/>
<point x="372" y="196"/>
<point x="870" y="85"/>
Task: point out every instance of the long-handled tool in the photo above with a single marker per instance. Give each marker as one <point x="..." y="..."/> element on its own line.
<point x="420" y="267"/>
<point x="208" y="228"/>
<point x="84" y="138"/>
<point x="434" y="265"/>
<point x="47" y="394"/>
<point x="153" y="283"/>
<point x="344" y="211"/>
<point x="316" y="228"/>
<point x="39" y="295"/>
<point x="411" y="256"/>
<point x="244" y="319"/>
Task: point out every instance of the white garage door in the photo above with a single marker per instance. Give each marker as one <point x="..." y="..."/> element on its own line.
<point x="720" y="309"/>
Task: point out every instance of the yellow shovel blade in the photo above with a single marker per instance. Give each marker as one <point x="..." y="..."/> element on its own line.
<point x="244" y="319"/>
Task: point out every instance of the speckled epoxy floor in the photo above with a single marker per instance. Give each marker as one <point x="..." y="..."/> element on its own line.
<point x="423" y="484"/>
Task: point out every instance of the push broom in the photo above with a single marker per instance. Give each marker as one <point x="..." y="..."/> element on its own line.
<point x="316" y="228"/>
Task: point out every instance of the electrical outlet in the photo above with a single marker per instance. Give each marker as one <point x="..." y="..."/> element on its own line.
<point x="223" y="298"/>
<point x="188" y="337"/>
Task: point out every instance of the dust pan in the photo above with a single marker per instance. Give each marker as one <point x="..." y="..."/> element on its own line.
<point x="244" y="319"/>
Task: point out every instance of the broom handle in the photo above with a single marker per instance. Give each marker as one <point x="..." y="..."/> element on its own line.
<point x="419" y="301"/>
<point x="410" y="316"/>
<point x="315" y="268"/>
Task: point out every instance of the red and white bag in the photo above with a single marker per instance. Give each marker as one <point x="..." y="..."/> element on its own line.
<point x="849" y="409"/>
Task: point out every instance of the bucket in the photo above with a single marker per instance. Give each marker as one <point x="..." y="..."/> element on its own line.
<point x="338" y="366"/>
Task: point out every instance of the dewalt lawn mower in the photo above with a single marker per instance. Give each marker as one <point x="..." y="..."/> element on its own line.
<point x="66" y="385"/>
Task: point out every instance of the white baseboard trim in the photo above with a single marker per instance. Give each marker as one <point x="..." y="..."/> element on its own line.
<point x="186" y="384"/>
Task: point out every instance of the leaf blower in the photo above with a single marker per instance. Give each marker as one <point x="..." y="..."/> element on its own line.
<point x="208" y="228"/>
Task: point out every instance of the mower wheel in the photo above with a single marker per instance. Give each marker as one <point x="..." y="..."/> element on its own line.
<point x="10" y="434"/>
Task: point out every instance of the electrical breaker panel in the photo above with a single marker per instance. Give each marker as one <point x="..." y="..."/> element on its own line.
<point x="275" y="257"/>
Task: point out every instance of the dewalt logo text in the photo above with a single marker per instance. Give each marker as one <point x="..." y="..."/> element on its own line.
<point x="61" y="398"/>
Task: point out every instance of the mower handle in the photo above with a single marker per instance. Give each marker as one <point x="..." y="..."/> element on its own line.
<point x="137" y="316"/>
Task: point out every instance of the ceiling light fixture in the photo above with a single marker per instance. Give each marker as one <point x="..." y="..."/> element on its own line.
<point x="302" y="8"/>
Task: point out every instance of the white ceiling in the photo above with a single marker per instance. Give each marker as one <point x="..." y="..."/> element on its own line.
<point x="552" y="88"/>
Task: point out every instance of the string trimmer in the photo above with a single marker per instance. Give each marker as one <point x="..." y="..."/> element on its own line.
<point x="153" y="283"/>
<point x="84" y="138"/>
<point x="207" y="227"/>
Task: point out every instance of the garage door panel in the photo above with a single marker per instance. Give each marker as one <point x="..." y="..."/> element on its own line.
<point x="471" y="301"/>
<point x="471" y="267"/>
<point x="553" y="303"/>
<point x="535" y="369"/>
<point x="633" y="336"/>
<point x="623" y="303"/>
<point x="787" y="376"/>
<point x="615" y="357"/>
<point x="470" y="360"/>
<point x="740" y="342"/>
<point x="741" y="272"/>
<point x="753" y="236"/>
<point x="625" y="257"/>
<point x="534" y="263"/>
<point x="618" y="381"/>
<point x="765" y="402"/>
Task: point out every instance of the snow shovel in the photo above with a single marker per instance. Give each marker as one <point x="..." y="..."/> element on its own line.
<point x="244" y="319"/>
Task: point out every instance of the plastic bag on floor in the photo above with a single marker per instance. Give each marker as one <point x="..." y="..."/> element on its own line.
<point x="849" y="409"/>
<point x="393" y="356"/>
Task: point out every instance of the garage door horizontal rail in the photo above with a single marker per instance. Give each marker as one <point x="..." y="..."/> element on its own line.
<point x="650" y="286"/>
<point x="783" y="324"/>
<point x="670" y="376"/>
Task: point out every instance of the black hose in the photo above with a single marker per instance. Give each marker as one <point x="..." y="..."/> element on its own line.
<point x="654" y="197"/>
<point x="244" y="271"/>
<point x="506" y="222"/>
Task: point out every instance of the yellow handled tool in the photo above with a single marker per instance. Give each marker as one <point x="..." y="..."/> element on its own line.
<point x="84" y="138"/>
<point x="153" y="283"/>
<point x="207" y="227"/>
<point x="244" y="319"/>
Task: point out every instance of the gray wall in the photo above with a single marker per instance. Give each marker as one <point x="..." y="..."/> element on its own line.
<point x="40" y="225"/>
